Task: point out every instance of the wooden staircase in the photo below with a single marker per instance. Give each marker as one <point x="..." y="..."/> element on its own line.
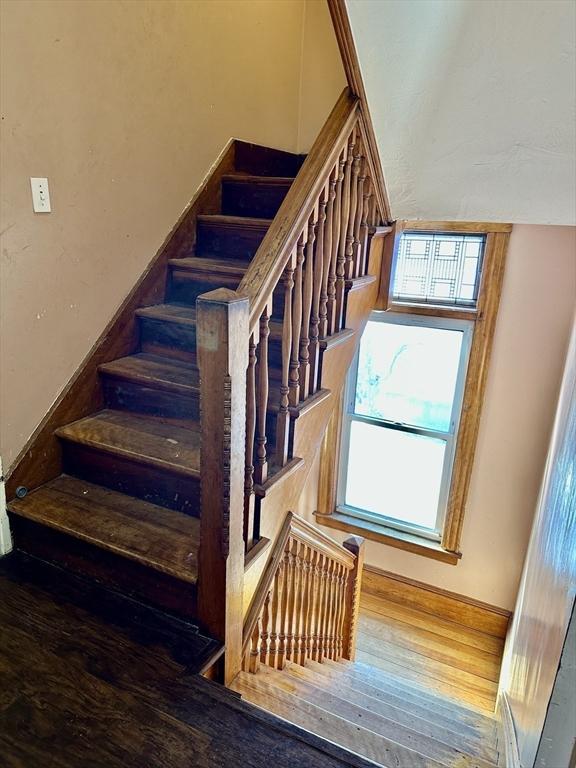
<point x="168" y="464"/>
<point x="126" y="503"/>
<point x="375" y="715"/>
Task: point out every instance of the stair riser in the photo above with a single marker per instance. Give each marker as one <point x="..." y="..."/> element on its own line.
<point x="167" y="489"/>
<point x="226" y="241"/>
<point x="131" y="396"/>
<point x="260" y="200"/>
<point x="173" y="340"/>
<point x="112" y="570"/>
<point x="185" y="287"/>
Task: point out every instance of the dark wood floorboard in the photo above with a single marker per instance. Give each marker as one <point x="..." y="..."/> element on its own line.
<point x="90" y="679"/>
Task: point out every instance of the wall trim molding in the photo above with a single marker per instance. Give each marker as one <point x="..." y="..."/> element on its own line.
<point x="508" y="743"/>
<point x="461" y="609"/>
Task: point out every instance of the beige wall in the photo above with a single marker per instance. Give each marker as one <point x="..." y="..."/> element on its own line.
<point x="124" y="106"/>
<point x="322" y="77"/>
<point x="530" y="345"/>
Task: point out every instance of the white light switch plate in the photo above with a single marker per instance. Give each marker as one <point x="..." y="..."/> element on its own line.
<point x="40" y="195"/>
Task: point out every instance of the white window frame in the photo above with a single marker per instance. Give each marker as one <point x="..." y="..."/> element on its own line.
<point x="450" y="437"/>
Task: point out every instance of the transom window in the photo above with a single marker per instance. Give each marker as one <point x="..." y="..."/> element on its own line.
<point x="440" y="269"/>
<point x="402" y="411"/>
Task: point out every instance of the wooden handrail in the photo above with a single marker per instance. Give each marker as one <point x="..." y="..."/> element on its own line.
<point x="298" y="529"/>
<point x="268" y="264"/>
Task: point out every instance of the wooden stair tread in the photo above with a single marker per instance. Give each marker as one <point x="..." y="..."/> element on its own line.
<point x="243" y="222"/>
<point x="159" y="538"/>
<point x="364" y="678"/>
<point x="156" y="371"/>
<point x="147" y="440"/>
<point x="184" y="314"/>
<point x="211" y="265"/>
<point x="248" y="178"/>
<point x="383" y="751"/>
<point x="425" y="720"/>
<point x="406" y="736"/>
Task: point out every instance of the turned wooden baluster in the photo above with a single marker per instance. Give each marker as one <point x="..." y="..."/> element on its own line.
<point x="349" y="265"/>
<point x="252" y="661"/>
<point x="374" y="216"/>
<point x="328" y="232"/>
<point x="283" y="615"/>
<point x="336" y="226"/>
<point x="325" y="634"/>
<point x="294" y="376"/>
<point x="261" y="468"/>
<point x="324" y="611"/>
<point x="333" y="610"/>
<point x="249" y="532"/>
<point x="364" y="227"/>
<point x="275" y="615"/>
<point x="340" y="611"/>
<point x="318" y="643"/>
<point x="312" y="609"/>
<point x="314" y="348"/>
<point x="265" y="630"/>
<point x="307" y="581"/>
<point x="344" y="218"/>
<point x="294" y="600"/>
<point x="357" y="245"/>
<point x="306" y="310"/>
<point x="283" y="418"/>
<point x="297" y="616"/>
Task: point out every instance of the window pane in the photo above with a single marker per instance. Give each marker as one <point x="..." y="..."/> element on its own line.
<point x="383" y="467"/>
<point x="438" y="269"/>
<point x="408" y="373"/>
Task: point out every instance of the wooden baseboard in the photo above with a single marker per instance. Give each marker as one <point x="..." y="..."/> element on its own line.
<point x="425" y="597"/>
<point x="509" y="756"/>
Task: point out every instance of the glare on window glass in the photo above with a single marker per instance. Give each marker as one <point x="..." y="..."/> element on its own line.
<point x="394" y="473"/>
<point x="407" y="374"/>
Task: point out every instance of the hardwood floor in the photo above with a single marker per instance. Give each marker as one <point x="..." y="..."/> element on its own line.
<point x="90" y="678"/>
<point x="439" y="655"/>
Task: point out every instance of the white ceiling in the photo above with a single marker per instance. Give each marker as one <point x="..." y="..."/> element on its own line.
<point x="473" y="103"/>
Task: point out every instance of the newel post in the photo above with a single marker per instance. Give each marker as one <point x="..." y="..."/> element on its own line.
<point x="355" y="545"/>
<point x="222" y="349"/>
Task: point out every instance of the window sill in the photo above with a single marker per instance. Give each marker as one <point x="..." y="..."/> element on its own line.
<point x="384" y="535"/>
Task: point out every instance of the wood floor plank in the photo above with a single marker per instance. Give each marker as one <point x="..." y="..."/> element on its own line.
<point x="390" y="686"/>
<point x="318" y="720"/>
<point x="438" y="625"/>
<point x="425" y="720"/>
<point x="441" y="679"/>
<point x="430" y="645"/>
<point x="427" y="745"/>
<point x="81" y="689"/>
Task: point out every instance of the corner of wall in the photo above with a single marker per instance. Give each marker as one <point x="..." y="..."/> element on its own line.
<point x="5" y="537"/>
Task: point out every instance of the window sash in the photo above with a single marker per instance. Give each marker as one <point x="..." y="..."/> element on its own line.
<point x="429" y="276"/>
<point x="449" y="438"/>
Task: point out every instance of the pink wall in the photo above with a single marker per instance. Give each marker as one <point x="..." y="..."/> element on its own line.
<point x="530" y="345"/>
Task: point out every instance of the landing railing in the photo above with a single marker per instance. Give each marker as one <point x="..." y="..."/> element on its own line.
<point x="297" y="286"/>
<point x="306" y="605"/>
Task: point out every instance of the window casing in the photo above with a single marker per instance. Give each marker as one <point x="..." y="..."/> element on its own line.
<point x="481" y="310"/>
<point x="445" y="432"/>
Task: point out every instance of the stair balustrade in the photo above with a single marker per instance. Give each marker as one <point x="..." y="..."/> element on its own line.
<point x="306" y="605"/>
<point x="297" y="285"/>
